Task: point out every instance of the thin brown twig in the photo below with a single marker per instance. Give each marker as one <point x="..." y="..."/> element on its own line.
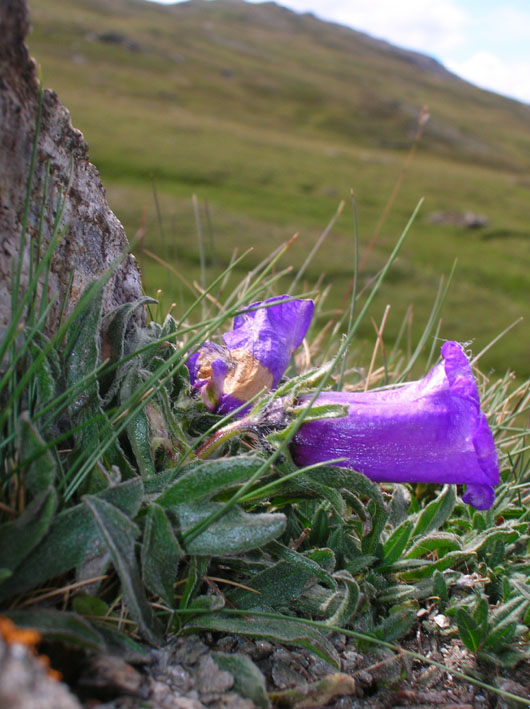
<point x="378" y="343"/>
<point x="233" y="583"/>
<point x="62" y="590"/>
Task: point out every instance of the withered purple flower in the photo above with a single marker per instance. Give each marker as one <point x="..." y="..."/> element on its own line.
<point x="428" y="431"/>
<point x="255" y="356"/>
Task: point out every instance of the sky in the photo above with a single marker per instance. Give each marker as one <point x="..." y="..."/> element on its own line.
<point x="486" y="42"/>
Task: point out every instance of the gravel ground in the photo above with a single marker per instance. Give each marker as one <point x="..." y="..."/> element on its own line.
<point x="197" y="672"/>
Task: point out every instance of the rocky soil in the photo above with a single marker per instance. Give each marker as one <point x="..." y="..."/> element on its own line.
<point x="198" y="672"/>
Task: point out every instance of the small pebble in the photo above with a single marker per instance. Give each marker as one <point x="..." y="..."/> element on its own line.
<point x="187" y="703"/>
<point x="159" y="692"/>
<point x="284" y="675"/>
<point x="281" y="654"/>
<point x="344" y="703"/>
<point x="339" y="641"/>
<point x="232" y="701"/>
<point x="263" y="648"/>
<point x="180" y="678"/>
<point x="225" y="644"/>
<point x="321" y="668"/>
<point x="364" y="677"/>
<point x="189" y="649"/>
<point x="350" y="660"/>
<point x="211" y="679"/>
<point x="244" y="646"/>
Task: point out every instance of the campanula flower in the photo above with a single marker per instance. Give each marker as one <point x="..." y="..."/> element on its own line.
<point x="255" y="353"/>
<point x="428" y="431"/>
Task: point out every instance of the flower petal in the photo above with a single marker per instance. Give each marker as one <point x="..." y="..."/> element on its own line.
<point x="480" y="496"/>
<point x="256" y="353"/>
<point x="271" y="333"/>
<point x="429" y="431"/>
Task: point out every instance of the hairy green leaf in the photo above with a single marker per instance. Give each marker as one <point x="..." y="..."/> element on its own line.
<point x="67" y="627"/>
<point x="501" y="635"/>
<point x="20" y="536"/>
<point x="138" y="428"/>
<point x="119" y="533"/>
<point x="122" y="645"/>
<point x="437" y="512"/>
<point x="440" y="586"/>
<point x="72" y="537"/>
<point x="450" y="560"/>
<point x="233" y="533"/>
<point x="371" y="543"/>
<point x="470" y="631"/>
<point x="198" y="565"/>
<point x="48" y="373"/>
<point x="512" y="610"/>
<point x="274" y="588"/>
<point x="350" y="595"/>
<point x="399" y="506"/>
<point x="308" y="562"/>
<point x="360" y="562"/>
<point x="439" y="541"/>
<point x="337" y="477"/>
<point x="202" y="479"/>
<point x="281" y="630"/>
<point x="480" y="614"/>
<point x="119" y="320"/>
<point x="398" y="623"/>
<point x="40" y="471"/>
<point x="396" y="544"/>
<point x="82" y="349"/>
<point x="397" y="594"/>
<point x="486" y="542"/>
<point x="161" y="553"/>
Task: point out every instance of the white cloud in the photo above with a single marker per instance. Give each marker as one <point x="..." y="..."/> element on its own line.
<point x="433" y="27"/>
<point x="511" y="78"/>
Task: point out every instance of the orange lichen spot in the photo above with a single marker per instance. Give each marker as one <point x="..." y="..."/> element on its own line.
<point x="21" y="636"/>
<point x="28" y="637"/>
<point x="52" y="674"/>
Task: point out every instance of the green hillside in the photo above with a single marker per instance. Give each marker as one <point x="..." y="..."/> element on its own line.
<point x="272" y="117"/>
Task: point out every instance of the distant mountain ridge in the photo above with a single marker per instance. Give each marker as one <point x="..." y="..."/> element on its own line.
<point x="317" y="75"/>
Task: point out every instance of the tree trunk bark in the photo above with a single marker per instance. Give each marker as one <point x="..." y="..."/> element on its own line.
<point x="93" y="238"/>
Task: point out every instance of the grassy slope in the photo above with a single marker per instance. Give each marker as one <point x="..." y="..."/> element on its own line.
<point x="273" y="117"/>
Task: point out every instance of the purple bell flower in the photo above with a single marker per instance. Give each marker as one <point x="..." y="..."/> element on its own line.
<point x="255" y="356"/>
<point x="429" y="431"/>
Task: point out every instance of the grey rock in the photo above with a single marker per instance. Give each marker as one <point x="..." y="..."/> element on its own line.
<point x="344" y="703"/>
<point x="321" y="668"/>
<point x="284" y="675"/>
<point x="180" y="678"/>
<point x="225" y="644"/>
<point x="232" y="701"/>
<point x="365" y="678"/>
<point x="160" y="693"/>
<point x="187" y="650"/>
<point x="263" y="648"/>
<point x="187" y="703"/>
<point x="25" y="684"/>
<point x="111" y="675"/>
<point x="350" y="660"/>
<point x="245" y="646"/>
<point x="339" y="641"/>
<point x="210" y="679"/>
<point x="94" y="237"/>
